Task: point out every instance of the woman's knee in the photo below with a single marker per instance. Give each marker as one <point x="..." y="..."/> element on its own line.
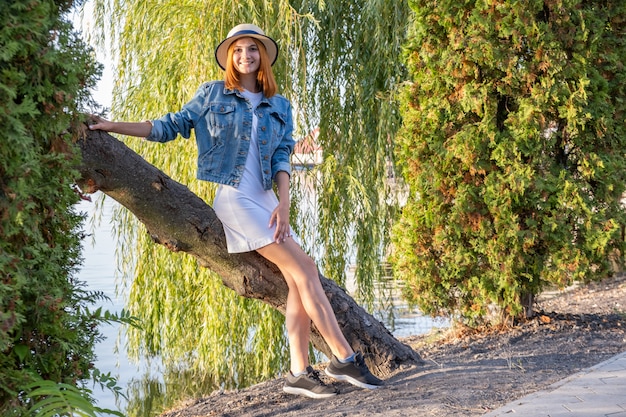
<point x="310" y="266"/>
<point x="303" y="268"/>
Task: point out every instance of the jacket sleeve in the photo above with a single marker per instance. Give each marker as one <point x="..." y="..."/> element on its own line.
<point x="171" y="125"/>
<point x="281" y="159"/>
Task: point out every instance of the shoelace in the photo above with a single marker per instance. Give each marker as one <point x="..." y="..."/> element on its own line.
<point x="315" y="375"/>
<point x="359" y="361"/>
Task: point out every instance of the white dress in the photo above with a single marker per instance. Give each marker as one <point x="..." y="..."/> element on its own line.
<point x="245" y="211"/>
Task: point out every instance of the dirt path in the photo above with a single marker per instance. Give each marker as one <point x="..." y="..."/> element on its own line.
<point x="464" y="375"/>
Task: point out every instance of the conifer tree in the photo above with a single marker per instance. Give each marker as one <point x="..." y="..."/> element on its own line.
<point x="47" y="334"/>
<point x="513" y="148"/>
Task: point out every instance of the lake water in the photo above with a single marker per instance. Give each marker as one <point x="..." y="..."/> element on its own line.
<point x="98" y="272"/>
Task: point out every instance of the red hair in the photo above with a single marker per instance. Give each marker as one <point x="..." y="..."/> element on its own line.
<point x="265" y="75"/>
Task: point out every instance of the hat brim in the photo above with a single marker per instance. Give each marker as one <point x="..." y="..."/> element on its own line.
<point x="221" y="52"/>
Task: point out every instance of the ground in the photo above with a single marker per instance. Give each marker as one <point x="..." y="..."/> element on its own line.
<point x="464" y="374"/>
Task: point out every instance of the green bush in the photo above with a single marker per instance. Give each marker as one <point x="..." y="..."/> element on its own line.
<point x="47" y="333"/>
<point x="513" y="149"/>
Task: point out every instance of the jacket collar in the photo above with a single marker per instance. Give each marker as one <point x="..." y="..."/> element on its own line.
<point x="229" y="91"/>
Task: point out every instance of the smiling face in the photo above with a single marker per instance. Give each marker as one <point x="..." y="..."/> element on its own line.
<point x="248" y="67"/>
<point x="246" y="56"/>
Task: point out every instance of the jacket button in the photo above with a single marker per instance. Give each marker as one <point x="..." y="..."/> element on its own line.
<point x="266" y="157"/>
<point x="264" y="142"/>
<point x="264" y="128"/>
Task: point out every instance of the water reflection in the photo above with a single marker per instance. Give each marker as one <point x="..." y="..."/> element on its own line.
<point x="152" y="394"/>
<point x="400" y="318"/>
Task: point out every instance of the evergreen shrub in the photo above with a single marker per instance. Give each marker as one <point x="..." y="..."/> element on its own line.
<point x="513" y="150"/>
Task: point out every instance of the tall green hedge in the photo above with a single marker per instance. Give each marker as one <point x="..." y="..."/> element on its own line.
<point x="513" y="147"/>
<point x="46" y="331"/>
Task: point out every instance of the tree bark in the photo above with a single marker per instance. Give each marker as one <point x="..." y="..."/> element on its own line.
<point x="181" y="221"/>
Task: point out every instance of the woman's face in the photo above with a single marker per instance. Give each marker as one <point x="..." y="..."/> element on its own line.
<point x="246" y="56"/>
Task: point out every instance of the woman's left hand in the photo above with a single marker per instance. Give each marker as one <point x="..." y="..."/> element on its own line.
<point x="280" y="218"/>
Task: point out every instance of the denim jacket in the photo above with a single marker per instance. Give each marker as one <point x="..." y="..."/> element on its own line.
<point x="222" y="120"/>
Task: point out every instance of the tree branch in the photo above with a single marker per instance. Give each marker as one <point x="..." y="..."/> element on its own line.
<point x="181" y="221"/>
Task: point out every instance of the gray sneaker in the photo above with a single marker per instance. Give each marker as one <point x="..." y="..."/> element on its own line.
<point x="310" y="385"/>
<point x="356" y="373"/>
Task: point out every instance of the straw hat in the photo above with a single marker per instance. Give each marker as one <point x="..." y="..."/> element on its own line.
<point x="245" y="30"/>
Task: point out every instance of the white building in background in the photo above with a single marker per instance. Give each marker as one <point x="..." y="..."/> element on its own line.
<point x="307" y="151"/>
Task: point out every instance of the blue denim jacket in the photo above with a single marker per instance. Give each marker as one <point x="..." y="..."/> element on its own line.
<point x="222" y="120"/>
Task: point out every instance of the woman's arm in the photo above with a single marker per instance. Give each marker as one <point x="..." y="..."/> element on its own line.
<point x="169" y="126"/>
<point x="282" y="153"/>
<point x="280" y="215"/>
<point x="138" y="129"/>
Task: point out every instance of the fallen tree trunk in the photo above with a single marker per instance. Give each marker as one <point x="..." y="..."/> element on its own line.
<point x="180" y="220"/>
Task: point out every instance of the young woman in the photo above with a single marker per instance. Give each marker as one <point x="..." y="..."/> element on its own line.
<point x="243" y="130"/>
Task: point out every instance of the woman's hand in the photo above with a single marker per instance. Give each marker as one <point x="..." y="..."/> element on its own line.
<point x="280" y="215"/>
<point x="101" y="124"/>
<point x="280" y="218"/>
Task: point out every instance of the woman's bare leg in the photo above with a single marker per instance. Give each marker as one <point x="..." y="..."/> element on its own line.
<point x="298" y="328"/>
<point x="302" y="276"/>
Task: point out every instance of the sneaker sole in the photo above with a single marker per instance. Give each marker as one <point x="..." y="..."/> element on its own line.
<point x="307" y="393"/>
<point x="353" y="381"/>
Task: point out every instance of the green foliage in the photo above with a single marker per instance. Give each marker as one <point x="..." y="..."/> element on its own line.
<point x="56" y="399"/>
<point x="354" y="68"/>
<point x="47" y="335"/>
<point x="513" y="149"/>
<point x="338" y="63"/>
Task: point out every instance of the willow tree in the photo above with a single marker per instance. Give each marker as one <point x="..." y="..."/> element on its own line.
<point x="513" y="145"/>
<point x="163" y="51"/>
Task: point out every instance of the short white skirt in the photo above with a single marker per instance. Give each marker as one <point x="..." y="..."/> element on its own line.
<point x="246" y="217"/>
